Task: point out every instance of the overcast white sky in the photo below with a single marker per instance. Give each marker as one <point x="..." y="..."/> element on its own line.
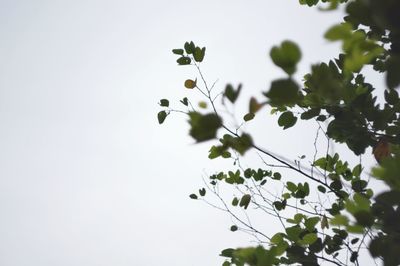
<point x="87" y="176"/>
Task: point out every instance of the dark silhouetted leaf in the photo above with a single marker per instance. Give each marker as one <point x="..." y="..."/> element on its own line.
<point x="161" y="117"/>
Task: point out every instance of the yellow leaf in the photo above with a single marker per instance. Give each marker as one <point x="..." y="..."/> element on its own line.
<point x="190" y="84"/>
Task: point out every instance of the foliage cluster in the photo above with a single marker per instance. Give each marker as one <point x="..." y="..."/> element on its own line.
<point x="338" y="98"/>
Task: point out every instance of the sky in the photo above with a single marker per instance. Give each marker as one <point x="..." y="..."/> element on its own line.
<point x="87" y="176"/>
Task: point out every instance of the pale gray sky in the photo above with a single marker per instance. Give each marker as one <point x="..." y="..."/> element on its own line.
<point x="87" y="176"/>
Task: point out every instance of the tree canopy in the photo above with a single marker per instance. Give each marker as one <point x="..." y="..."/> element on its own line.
<point x="333" y="212"/>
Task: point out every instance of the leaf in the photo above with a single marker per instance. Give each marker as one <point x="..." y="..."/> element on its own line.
<point x="339" y="220"/>
<point x="235" y="201"/>
<point x="204" y="127"/>
<point x="339" y="32"/>
<point x="189" y="47"/>
<point x="164" y="102"/>
<point x="291" y="186"/>
<point x="177" y="51"/>
<point x="248" y="117"/>
<point x="245" y="201"/>
<point x="293" y="232"/>
<point x="277" y="238"/>
<point x="185" y="101"/>
<point x="226" y="263"/>
<point x="381" y="150"/>
<point x="161" y="117"/>
<point x="310" y="238"/>
<point x="310" y="113"/>
<point x="393" y="70"/>
<point x="391" y="96"/>
<point x="287" y="120"/>
<point x="276" y="176"/>
<point x="254" y="106"/>
<point x="202" y="192"/>
<point x="227" y="252"/>
<point x="231" y="93"/>
<point x="190" y="84"/>
<point x="184" y="60"/>
<point x="324" y="223"/>
<point x="283" y="92"/>
<point x="286" y="56"/>
<point x="321" y="189"/>
<point x="193" y="196"/>
<point x="199" y="53"/>
<point x="310" y="223"/>
<point x="203" y="105"/>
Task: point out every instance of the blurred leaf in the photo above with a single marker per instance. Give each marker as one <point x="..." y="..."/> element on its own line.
<point x="286" y="56"/>
<point x="231" y="93"/>
<point x="309" y="238"/>
<point x="283" y="92"/>
<point x="254" y="106"/>
<point x="203" y="105"/>
<point x="204" y="127"/>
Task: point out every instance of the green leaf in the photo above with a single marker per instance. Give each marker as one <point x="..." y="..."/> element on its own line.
<point x="293" y="232"/>
<point x="203" y="105"/>
<point x="204" y="127"/>
<point x="310" y="223"/>
<point x="226" y="263"/>
<point x="313" y="112"/>
<point x="310" y="238"/>
<point x="286" y="56"/>
<point x="193" y="196"/>
<point x="231" y="93"/>
<point x="235" y="201"/>
<point x="199" y="53"/>
<point x="184" y="60"/>
<point x="164" y="102"/>
<point x="185" y="101"/>
<point x="177" y="51"/>
<point x="392" y="76"/>
<point x="276" y="176"/>
<point x="161" y="117"/>
<point x="227" y="252"/>
<point x="339" y="32"/>
<point x="245" y="201"/>
<point x="248" y="117"/>
<point x="287" y="120"/>
<point x="277" y="238"/>
<point x="321" y="189"/>
<point x="202" y="192"/>
<point x="339" y="220"/>
<point x="291" y="186"/>
<point x="189" y="47"/>
<point x="283" y="92"/>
